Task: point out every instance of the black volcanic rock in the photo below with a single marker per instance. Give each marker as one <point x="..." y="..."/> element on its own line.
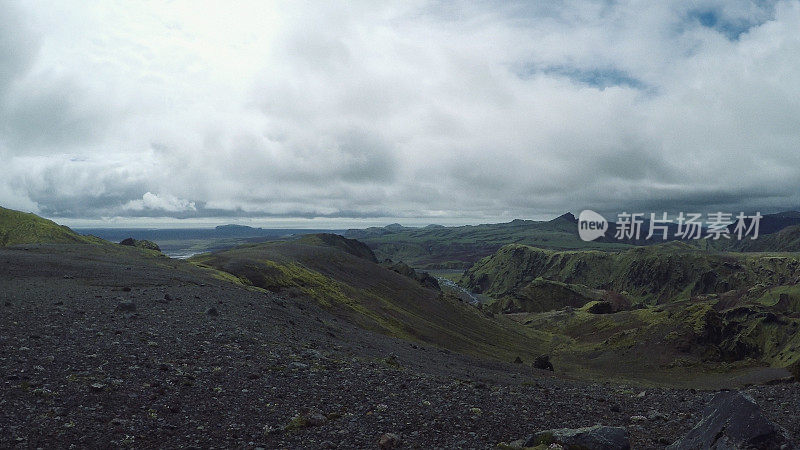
<point x="543" y="362"/>
<point x="733" y="421"/>
<point x="149" y="245"/>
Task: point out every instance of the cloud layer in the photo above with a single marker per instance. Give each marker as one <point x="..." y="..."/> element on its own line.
<point x="423" y="110"/>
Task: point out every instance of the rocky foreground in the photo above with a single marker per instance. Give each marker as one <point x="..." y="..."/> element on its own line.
<point x="118" y="350"/>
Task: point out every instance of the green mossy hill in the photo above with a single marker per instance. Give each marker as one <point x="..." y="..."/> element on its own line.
<point x="147" y="245"/>
<point x="25" y="228"/>
<point x="372" y="296"/>
<point x="351" y="246"/>
<point x="647" y="275"/>
<point x="683" y="338"/>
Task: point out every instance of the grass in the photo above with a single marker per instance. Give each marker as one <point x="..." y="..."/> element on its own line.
<point x="25" y="228"/>
<point x="374" y="297"/>
<point x="646" y="275"/>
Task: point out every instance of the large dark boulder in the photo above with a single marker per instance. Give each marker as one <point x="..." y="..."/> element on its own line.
<point x="149" y="245"/>
<point x="598" y="437"/>
<point x="543" y="362"/>
<point x="733" y="420"/>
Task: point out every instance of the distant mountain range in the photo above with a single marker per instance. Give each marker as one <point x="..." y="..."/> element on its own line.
<point x="436" y="246"/>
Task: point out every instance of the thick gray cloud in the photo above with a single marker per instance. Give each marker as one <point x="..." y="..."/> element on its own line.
<point x="419" y="110"/>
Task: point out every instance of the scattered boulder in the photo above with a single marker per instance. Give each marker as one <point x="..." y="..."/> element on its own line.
<point x="598" y="437"/>
<point x="518" y="360"/>
<point x="212" y="312"/>
<point x="543" y="362"/>
<point x="389" y="441"/>
<point x="733" y="420"/>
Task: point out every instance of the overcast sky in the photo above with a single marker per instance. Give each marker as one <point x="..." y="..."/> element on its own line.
<point x="410" y="111"/>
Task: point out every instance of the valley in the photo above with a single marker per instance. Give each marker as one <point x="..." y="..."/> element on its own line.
<point x="319" y="340"/>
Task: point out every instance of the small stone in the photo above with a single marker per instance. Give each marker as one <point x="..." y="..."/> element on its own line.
<point x="212" y="312"/>
<point x="475" y="411"/>
<point x="312" y="354"/>
<point x="389" y="441"/>
<point x="518" y="360"/>
<point x="98" y="386"/>
<point x="616" y="408"/>
<point x="638" y="419"/>
<point x="316" y="419"/>
<point x="641" y="394"/>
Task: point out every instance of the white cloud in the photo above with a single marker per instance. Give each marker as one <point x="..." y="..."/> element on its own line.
<point x="405" y="109"/>
<point x="160" y="203"/>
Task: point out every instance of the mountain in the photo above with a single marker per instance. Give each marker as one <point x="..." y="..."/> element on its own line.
<point x="342" y="276"/>
<point x="17" y="227"/>
<point x="650" y="307"/>
<point x="647" y="275"/>
<point x="351" y="246"/>
<point x="785" y="240"/>
<point x="460" y="247"/>
<point x="772" y="223"/>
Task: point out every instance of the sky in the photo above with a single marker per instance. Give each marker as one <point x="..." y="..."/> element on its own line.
<point x="346" y="113"/>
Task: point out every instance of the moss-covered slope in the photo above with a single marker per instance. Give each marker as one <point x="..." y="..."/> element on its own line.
<point x="650" y="275"/>
<point x="25" y="228"/>
<point x="372" y="296"/>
